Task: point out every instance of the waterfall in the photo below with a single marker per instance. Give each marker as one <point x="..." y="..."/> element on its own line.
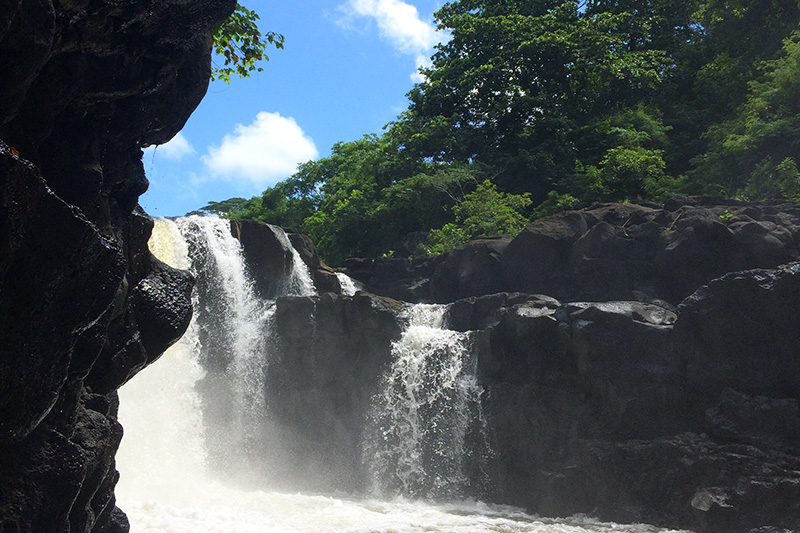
<point x="162" y="404"/>
<point x="348" y="286"/>
<point x="231" y="323"/>
<point x="186" y="420"/>
<point x="298" y="282"/>
<point x="427" y="436"/>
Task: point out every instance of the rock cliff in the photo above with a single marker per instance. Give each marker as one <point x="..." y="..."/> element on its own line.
<point x="662" y="386"/>
<point x="83" y="303"/>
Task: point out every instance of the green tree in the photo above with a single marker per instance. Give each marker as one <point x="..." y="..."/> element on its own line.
<point x="563" y="103"/>
<point x="241" y="44"/>
<point x="516" y="82"/>
<point x="483" y="212"/>
<point x="370" y="197"/>
<point x="223" y="208"/>
<point x="714" y="69"/>
<point x="755" y="154"/>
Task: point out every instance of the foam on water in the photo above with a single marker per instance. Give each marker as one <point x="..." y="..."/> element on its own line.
<point x="426" y="435"/>
<point x="224" y="510"/>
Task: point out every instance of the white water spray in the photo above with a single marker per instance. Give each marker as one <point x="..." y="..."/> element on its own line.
<point x="231" y="318"/>
<point x="166" y="485"/>
<point x="428" y="436"/>
<point x="298" y="282"/>
<point x="348" y="286"/>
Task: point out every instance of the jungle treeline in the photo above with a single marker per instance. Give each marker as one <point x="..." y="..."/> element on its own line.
<point x="536" y="106"/>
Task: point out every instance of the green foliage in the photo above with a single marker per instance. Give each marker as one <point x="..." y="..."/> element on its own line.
<point x="483" y="212"/>
<point x="223" y="208"/>
<point x="753" y="153"/>
<point x="517" y="82"/>
<point x="556" y="104"/>
<point x="555" y="203"/>
<point x="446" y="238"/>
<point x="623" y="173"/>
<point x="242" y="45"/>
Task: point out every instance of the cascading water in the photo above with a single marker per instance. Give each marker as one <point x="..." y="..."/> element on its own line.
<point x="427" y="437"/>
<point x="349" y="287"/>
<point x="174" y="460"/>
<point x="231" y="322"/>
<point x="298" y="282"/>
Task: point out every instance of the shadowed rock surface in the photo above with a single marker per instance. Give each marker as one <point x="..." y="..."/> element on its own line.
<point x="604" y="252"/>
<point x="83" y="304"/>
<point x="669" y="396"/>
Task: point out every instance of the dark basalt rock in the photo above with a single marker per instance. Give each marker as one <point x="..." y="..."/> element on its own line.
<point x="394" y="277"/>
<point x="741" y="331"/>
<point x="330" y="355"/>
<point x="635" y="413"/>
<point x="635" y="252"/>
<point x="323" y="276"/>
<point x="605" y="252"/>
<point x="471" y="270"/>
<point x="50" y="252"/>
<point x="270" y="261"/>
<point x="630" y="410"/>
<point x="83" y="304"/>
<point x="265" y="255"/>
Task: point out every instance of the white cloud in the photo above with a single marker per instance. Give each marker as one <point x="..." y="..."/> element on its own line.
<point x="399" y="23"/>
<point x="262" y="153"/>
<point x="175" y="149"/>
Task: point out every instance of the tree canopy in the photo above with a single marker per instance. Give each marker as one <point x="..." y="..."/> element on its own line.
<point x="538" y="105"/>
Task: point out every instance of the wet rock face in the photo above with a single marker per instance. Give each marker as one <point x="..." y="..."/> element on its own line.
<point x="683" y="416"/>
<point x="83" y="303"/>
<point x="330" y="354"/>
<point x="637" y="412"/>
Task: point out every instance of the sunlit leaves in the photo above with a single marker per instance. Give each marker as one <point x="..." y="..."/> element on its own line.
<point x="242" y="45"/>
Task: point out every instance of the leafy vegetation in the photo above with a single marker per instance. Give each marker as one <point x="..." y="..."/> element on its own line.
<point x="535" y="106"/>
<point x="241" y="44"/>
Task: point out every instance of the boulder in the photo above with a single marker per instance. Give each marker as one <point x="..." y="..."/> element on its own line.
<point x="473" y="269"/>
<point x="605" y="252"/>
<point x="741" y="331"/>
<point x="266" y="255"/>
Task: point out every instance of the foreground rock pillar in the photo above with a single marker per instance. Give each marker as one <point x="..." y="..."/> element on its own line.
<point x="83" y="304"/>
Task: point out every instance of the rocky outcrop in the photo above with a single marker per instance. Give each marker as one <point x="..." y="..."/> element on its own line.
<point x="605" y="252"/>
<point x="329" y="355"/>
<point x="83" y="304"/>
<point x="638" y="252"/>
<point x="323" y="276"/>
<point x="682" y="415"/>
<point x="629" y="411"/>
<point x="635" y="412"/>
<point x="265" y="253"/>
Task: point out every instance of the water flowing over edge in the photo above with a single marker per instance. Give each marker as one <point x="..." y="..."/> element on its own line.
<point x="166" y="484"/>
<point x="427" y="430"/>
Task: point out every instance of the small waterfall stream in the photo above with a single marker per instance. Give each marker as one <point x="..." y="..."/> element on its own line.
<point x="427" y="437"/>
<point x="200" y="414"/>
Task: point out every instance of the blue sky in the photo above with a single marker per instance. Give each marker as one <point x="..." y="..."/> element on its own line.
<point x="345" y="70"/>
